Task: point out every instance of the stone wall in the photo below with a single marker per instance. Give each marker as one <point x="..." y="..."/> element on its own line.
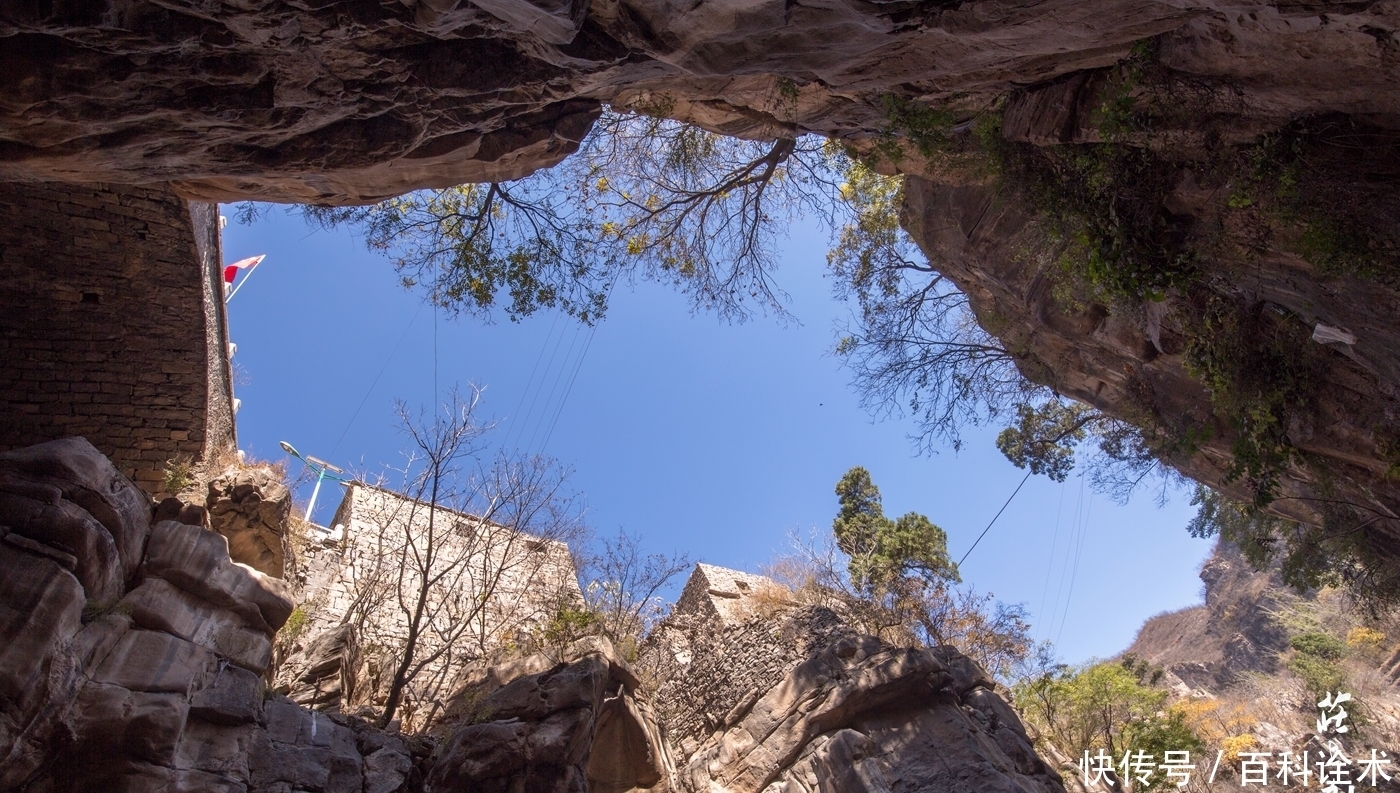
<point x="713" y="670"/>
<point x="494" y="587"/>
<point x="720" y="592"/>
<point x="112" y="326"/>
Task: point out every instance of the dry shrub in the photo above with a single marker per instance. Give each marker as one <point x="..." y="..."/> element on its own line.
<point x="1222" y="724"/>
<point x="770" y="600"/>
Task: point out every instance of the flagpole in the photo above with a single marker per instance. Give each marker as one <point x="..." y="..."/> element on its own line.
<point x="244" y="281"/>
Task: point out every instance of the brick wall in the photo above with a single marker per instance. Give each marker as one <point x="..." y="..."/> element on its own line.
<point x="111" y="324"/>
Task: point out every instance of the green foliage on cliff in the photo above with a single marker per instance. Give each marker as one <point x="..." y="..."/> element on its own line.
<point x="1110" y="706"/>
<point x="1315" y="659"/>
<point x="1335" y="553"/>
<point x="928" y="129"/>
<point x="1298" y="186"/>
<point x="1260" y="368"/>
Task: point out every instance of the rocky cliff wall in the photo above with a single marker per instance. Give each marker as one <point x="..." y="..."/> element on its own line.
<point x="1234" y="634"/>
<point x="355" y="100"/>
<point x="1268" y="371"/>
<point x="133" y="653"/>
<point x="133" y="657"/>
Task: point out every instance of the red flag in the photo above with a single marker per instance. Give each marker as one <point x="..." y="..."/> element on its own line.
<point x="232" y="270"/>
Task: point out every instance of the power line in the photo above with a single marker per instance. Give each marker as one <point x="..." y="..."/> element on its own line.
<point x="1074" y="572"/>
<point x="573" y="377"/>
<point x="539" y="389"/>
<point x="382" y="370"/>
<point x="553" y="389"/>
<point x="526" y="391"/>
<point x="1074" y="529"/>
<point x="1050" y="562"/>
<point x="577" y="367"/>
<point x="994" y="518"/>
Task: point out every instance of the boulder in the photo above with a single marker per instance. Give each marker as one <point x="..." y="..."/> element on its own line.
<point x="252" y="508"/>
<point x="323" y="674"/>
<point x="41" y="605"/>
<point x="197" y="561"/>
<point x="113" y="722"/>
<point x="85" y="477"/>
<point x="159" y="605"/>
<point x="157" y="662"/>
<point x="575" y="726"/>
<point x="159" y="688"/>
<point x="234" y="696"/>
<point x="386" y="770"/>
<point x="305" y="750"/>
<point x="73" y="538"/>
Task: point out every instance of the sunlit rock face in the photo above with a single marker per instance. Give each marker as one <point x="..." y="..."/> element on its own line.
<point x="345" y="101"/>
<point x="759" y="693"/>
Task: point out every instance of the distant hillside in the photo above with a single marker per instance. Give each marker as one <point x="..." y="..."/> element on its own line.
<point x="1233" y="634"/>
<point x="1248" y="664"/>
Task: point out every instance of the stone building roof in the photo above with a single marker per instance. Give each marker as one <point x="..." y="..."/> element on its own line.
<point x="719" y="592"/>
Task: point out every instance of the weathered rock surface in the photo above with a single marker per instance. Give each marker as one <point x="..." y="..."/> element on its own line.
<point x="1129" y="361"/>
<point x="252" y="508"/>
<point x="792" y="700"/>
<point x="861" y="715"/>
<point x="324" y="673"/>
<point x="160" y="687"/>
<point x="573" y="725"/>
<point x="355" y="100"/>
<point x="1231" y="636"/>
<point x="163" y="690"/>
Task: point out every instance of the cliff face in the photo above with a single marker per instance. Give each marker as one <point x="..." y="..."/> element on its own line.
<point x="1233" y="634"/>
<point x="133" y="650"/>
<point x="1246" y="658"/>
<point x="1265" y="342"/>
<point x="345" y="101"/>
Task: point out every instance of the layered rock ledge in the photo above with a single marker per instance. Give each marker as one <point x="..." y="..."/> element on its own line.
<point x="353" y="101"/>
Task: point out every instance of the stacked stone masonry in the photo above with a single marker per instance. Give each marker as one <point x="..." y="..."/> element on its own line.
<point x="721" y="593"/>
<point x="111" y="324"/>
<point x="498" y="586"/>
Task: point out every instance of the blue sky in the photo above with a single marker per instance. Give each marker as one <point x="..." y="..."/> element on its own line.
<point x="719" y="440"/>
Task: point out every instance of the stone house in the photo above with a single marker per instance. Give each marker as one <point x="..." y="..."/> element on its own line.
<point x="491" y="587"/>
<point x="720" y="593"/>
